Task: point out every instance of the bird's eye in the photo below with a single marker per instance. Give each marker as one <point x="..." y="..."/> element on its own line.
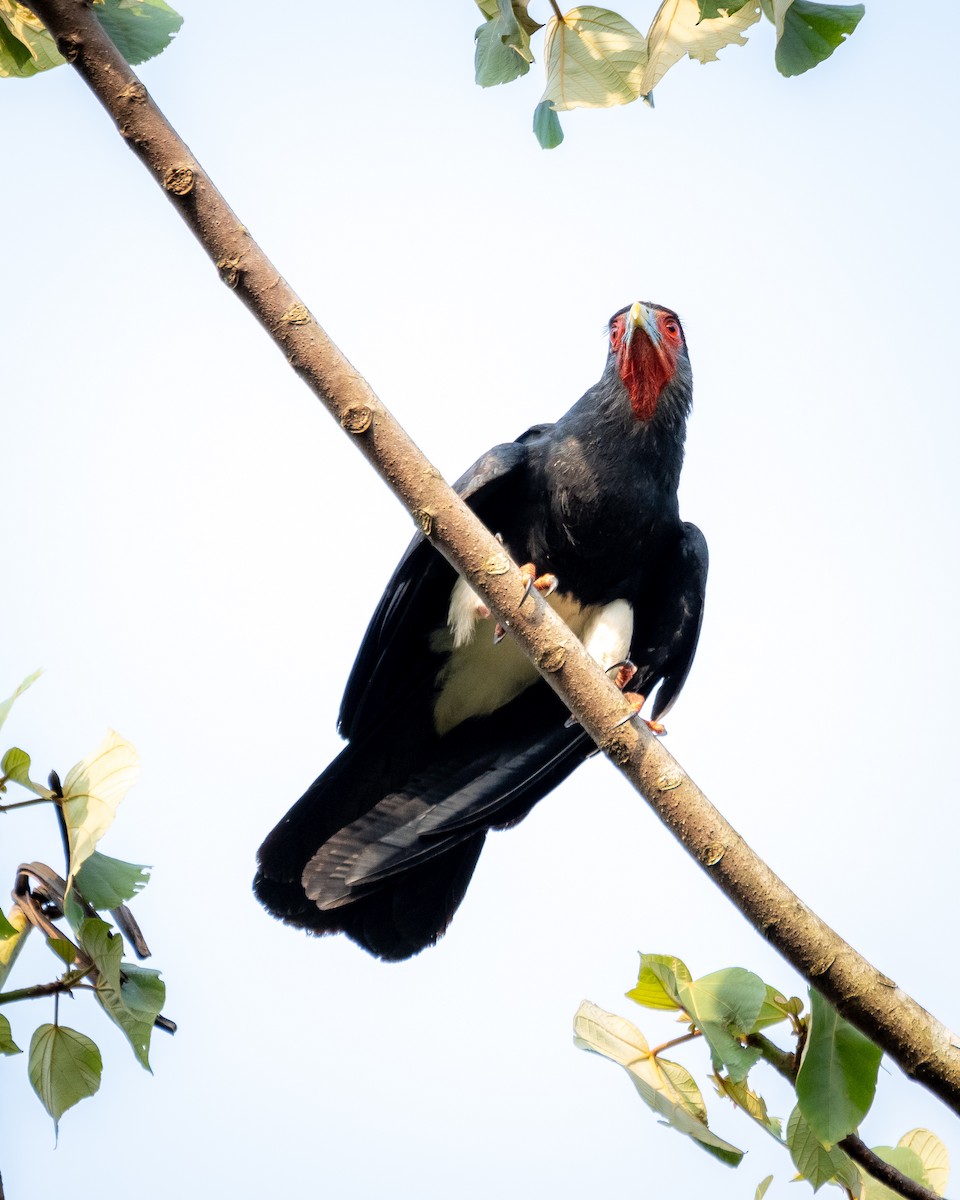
<point x="616" y="334"/>
<point x="672" y="329"/>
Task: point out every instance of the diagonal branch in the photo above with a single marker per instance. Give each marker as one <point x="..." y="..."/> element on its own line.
<point x="923" y="1047"/>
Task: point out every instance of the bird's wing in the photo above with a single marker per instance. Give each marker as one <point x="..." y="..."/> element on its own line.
<point x="395" y="648"/>
<point x="490" y="771"/>
<point x="667" y="620"/>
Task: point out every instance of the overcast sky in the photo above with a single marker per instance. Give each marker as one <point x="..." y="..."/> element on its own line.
<point x="192" y="551"/>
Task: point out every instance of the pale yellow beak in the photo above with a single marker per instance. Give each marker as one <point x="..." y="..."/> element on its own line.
<point x="638" y="318"/>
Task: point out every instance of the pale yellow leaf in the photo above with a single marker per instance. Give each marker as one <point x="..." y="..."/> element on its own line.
<point x="594" y="59"/>
<point x="933" y="1154"/>
<point x="92" y="792"/>
<point x="676" y="1083"/>
<point x="667" y="1088"/>
<point x="677" y="30"/>
<point x="607" y="1034"/>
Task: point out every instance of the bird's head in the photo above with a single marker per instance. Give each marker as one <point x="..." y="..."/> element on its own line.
<point x="650" y="353"/>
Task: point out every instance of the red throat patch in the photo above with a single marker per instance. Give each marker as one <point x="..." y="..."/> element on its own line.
<point x="645" y="366"/>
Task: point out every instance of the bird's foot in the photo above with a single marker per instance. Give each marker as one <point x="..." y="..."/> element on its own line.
<point x="625" y="671"/>
<point x="546" y="585"/>
<point x="638" y="701"/>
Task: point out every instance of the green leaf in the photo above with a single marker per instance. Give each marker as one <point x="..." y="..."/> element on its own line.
<point x="7" y="704"/>
<point x="131" y="996"/>
<point x="814" y="1162"/>
<point x="103" y="948"/>
<point x="546" y="126"/>
<point x="16" y="766"/>
<point x="666" y="1087"/>
<point x="594" y="59"/>
<point x="6" y="929"/>
<point x="724" y="1006"/>
<point x="775" y="1008"/>
<point x="7" y="1044"/>
<point x="107" y="882"/>
<point x="762" y="1188"/>
<point x="838" y="1073"/>
<point x="907" y="1162"/>
<point x="92" y="791"/>
<point x="933" y="1155"/>
<point x="720" y="8"/>
<point x="677" y="31"/>
<point x="63" y="949"/>
<point x="64" y="1068"/>
<point x="142" y="996"/>
<point x="658" y="984"/>
<point x="74" y="911"/>
<point x="808" y="33"/>
<point x="503" y="48"/>
<point x="140" y="29"/>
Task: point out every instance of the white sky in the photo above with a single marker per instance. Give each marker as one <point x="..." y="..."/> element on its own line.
<point x="192" y="550"/>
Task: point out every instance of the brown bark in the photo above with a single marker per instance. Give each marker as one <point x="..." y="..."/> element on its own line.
<point x="923" y="1047"/>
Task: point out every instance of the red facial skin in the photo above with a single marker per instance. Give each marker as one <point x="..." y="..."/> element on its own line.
<point x="646" y="364"/>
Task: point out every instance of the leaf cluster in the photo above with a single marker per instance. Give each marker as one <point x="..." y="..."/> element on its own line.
<point x="832" y="1067"/>
<point x="84" y="920"/>
<point x="595" y="58"/>
<point x="140" y="29"/>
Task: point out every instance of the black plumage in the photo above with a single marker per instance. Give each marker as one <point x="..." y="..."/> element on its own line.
<point x="450" y="735"/>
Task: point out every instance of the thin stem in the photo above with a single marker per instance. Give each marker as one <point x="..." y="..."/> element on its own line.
<point x="25" y="803"/>
<point x="782" y="1061"/>
<point x="678" y="1041"/>
<point x="553" y="5"/>
<point x="46" y="989"/>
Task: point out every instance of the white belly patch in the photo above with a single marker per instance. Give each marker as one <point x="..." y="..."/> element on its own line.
<point x="480" y="677"/>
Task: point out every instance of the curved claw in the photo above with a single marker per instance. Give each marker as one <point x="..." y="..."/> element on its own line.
<point x="638" y="702"/>
<point x="545" y="584"/>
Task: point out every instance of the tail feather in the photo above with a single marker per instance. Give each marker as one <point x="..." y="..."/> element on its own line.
<point x="383" y="845"/>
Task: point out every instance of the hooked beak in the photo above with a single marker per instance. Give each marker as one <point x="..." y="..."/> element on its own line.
<point x="639" y="318"/>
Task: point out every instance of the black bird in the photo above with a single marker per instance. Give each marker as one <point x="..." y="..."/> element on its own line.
<point x="450" y="730"/>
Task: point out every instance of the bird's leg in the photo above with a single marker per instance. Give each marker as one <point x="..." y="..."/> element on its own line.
<point x="544" y="584"/>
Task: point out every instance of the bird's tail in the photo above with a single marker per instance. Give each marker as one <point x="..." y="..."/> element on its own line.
<point x="383" y="845"/>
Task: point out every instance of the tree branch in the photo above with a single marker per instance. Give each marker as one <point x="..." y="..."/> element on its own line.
<point x="883" y="1172"/>
<point x="923" y="1047"/>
